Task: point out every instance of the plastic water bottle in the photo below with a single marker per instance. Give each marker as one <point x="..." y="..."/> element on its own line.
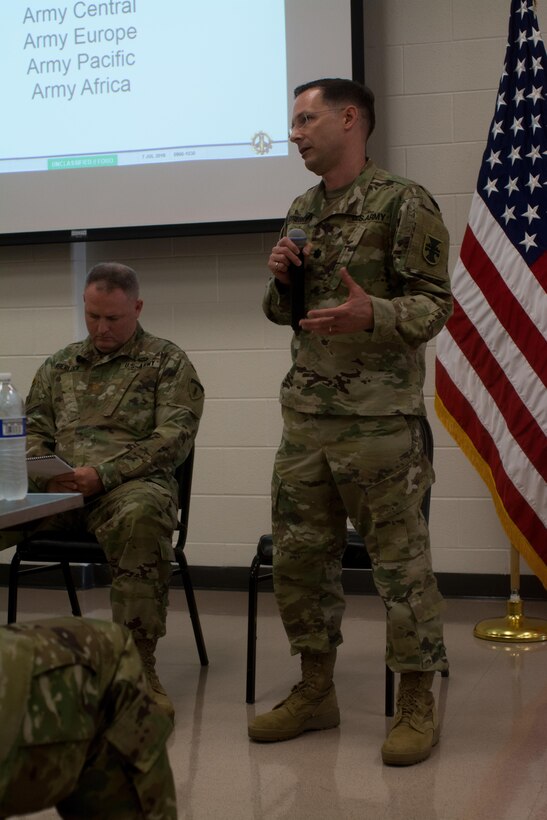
<point x="13" y="442"/>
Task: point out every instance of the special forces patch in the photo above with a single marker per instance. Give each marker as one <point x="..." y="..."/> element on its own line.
<point x="431" y="249"/>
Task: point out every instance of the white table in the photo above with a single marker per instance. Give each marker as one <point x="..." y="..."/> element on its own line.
<point x="37" y="505"/>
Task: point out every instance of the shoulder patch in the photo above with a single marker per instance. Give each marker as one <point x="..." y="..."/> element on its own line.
<point x="195" y="390"/>
<point x="431" y="249"/>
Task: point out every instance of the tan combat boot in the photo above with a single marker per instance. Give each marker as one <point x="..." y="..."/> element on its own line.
<point x="146" y="648"/>
<point x="311" y="704"/>
<point x="415" y="728"/>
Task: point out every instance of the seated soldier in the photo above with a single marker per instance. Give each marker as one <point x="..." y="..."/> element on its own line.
<point x="123" y="408"/>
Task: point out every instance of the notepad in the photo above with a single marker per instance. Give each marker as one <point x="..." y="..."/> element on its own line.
<point x="47" y="466"/>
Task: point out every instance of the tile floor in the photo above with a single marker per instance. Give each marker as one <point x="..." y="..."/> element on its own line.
<point x="491" y="763"/>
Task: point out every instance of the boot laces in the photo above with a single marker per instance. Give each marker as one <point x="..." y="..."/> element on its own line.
<point x="302" y="692"/>
<point x="307" y="673"/>
<point x="146" y="650"/>
<point x="299" y="690"/>
<point x="408" y="704"/>
<point x="154" y="681"/>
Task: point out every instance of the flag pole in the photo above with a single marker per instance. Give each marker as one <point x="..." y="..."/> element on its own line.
<point x="514" y="627"/>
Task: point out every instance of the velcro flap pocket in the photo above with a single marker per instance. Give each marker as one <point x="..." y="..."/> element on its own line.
<point x="140" y="733"/>
<point x="400" y="490"/>
<point x="426" y="604"/>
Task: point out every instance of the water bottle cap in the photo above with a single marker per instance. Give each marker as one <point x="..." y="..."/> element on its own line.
<point x="5" y="377"/>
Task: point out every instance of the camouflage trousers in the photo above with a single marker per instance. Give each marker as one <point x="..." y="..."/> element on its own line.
<point x="134" y="525"/>
<point x="91" y="741"/>
<point x="374" y="471"/>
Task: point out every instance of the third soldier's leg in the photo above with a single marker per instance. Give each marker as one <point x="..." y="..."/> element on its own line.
<point x="92" y="740"/>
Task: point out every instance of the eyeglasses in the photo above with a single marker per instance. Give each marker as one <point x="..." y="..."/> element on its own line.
<point x="302" y="121"/>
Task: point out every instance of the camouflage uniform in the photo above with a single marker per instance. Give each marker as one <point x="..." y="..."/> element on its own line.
<point x="79" y="730"/>
<point x="351" y="444"/>
<point x="132" y="415"/>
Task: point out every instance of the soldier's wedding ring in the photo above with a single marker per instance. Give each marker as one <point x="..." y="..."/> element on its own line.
<point x="276" y="266"/>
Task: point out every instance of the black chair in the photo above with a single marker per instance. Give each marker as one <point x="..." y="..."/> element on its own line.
<point x="60" y="549"/>
<point x="355" y="557"/>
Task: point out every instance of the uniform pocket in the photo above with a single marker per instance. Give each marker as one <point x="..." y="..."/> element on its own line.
<point x="140" y="733"/>
<point x="62" y="705"/>
<point x="65" y="400"/>
<point x="426" y="604"/>
<point x="64" y="689"/>
<point x="400" y="490"/>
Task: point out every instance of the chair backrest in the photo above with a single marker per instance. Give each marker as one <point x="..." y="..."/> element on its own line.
<point x="183" y="475"/>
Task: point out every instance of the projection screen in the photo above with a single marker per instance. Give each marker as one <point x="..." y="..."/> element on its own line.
<point x="135" y="117"/>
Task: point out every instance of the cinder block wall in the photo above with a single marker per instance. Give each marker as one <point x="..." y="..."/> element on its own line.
<point x="434" y="66"/>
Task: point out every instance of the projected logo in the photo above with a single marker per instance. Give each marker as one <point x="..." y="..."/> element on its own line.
<point x="262" y="143"/>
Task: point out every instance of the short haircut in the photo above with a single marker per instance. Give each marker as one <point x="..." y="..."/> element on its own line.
<point x="110" y="276"/>
<point x="338" y="91"/>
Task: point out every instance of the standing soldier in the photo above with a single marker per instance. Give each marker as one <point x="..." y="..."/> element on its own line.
<point x="377" y="289"/>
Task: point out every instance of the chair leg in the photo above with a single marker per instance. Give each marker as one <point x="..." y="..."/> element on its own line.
<point x="251" y="630"/>
<point x="192" y="607"/>
<point x="71" y="589"/>
<point x="13" y="588"/>
<point x="390" y="692"/>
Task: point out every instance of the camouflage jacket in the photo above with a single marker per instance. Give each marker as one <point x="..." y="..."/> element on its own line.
<point x="389" y="233"/>
<point x="77" y="703"/>
<point x="16" y="662"/>
<point x="130" y="414"/>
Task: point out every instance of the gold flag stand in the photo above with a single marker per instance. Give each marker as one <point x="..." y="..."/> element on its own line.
<point x="515" y="627"/>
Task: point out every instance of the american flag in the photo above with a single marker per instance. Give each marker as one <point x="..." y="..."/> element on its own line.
<point x="491" y="368"/>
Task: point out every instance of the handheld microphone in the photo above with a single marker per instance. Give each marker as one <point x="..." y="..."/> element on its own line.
<point x="297" y="281"/>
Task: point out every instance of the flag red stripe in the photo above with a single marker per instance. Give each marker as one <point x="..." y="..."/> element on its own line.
<point x="518" y="509"/>
<point x="508" y="310"/>
<point x="520" y="422"/>
<point x="539" y="269"/>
